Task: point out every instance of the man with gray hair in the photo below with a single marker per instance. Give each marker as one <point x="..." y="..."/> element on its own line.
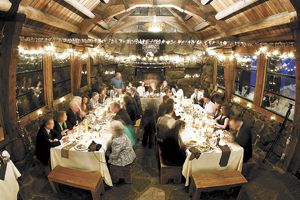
<point x="73" y="114"/>
<point x="117" y="83"/>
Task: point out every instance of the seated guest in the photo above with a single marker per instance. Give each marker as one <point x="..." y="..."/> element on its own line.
<point x="122" y="153"/>
<point x="196" y="96"/>
<point x="180" y="95"/>
<point x="94" y="102"/>
<point x="46" y="138"/>
<point x="223" y="118"/>
<point x="121" y="114"/>
<point x="141" y="89"/>
<point x="61" y="125"/>
<point x="85" y="104"/>
<point x="130" y="107"/>
<point x="73" y="115"/>
<point x="162" y="106"/>
<point x="243" y="136"/>
<point x="102" y="94"/>
<point x="166" y="122"/>
<point x="135" y="95"/>
<point x="172" y="149"/>
<point x="148" y="123"/>
<point x="164" y="86"/>
<point x="217" y="106"/>
<point x="209" y="106"/>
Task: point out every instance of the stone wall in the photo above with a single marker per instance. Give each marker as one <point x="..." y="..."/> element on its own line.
<point x="264" y="132"/>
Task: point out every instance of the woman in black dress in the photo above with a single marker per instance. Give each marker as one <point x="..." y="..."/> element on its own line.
<point x="223" y="118"/>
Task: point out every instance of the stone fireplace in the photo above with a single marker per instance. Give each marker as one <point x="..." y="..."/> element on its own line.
<point x="151" y="76"/>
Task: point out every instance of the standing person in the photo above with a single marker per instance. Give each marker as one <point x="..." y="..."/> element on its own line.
<point x="243" y="136"/>
<point x="141" y="89"/>
<point x="135" y="95"/>
<point x="117" y="83"/>
<point x="46" y="138"/>
<point x="130" y="108"/>
<point x="148" y="123"/>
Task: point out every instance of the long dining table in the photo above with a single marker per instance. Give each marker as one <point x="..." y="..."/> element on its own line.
<point x="77" y="156"/>
<point x="200" y="130"/>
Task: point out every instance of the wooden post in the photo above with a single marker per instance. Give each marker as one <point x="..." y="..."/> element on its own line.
<point x="76" y="68"/>
<point x="215" y="72"/>
<point x="8" y="69"/>
<point x="88" y="68"/>
<point x="260" y="79"/>
<point x="48" y="80"/>
<point x="229" y="73"/>
<point x="292" y="161"/>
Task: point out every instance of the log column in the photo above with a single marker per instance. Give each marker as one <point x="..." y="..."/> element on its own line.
<point x="260" y="79"/>
<point x="76" y="68"/>
<point x="292" y="162"/>
<point x="229" y="73"/>
<point x="48" y="80"/>
<point x="8" y="62"/>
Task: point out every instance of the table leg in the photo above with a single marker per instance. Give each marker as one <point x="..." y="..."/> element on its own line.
<point x="54" y="186"/>
<point x="197" y="195"/>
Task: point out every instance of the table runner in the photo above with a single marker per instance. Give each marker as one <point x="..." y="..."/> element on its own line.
<point x="65" y="150"/>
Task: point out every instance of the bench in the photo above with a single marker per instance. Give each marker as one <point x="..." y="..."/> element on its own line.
<point x="207" y="181"/>
<point x="167" y="173"/>
<point x="91" y="181"/>
<point x="121" y="172"/>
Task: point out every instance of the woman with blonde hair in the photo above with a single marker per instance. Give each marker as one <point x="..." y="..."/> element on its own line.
<point x="122" y="153"/>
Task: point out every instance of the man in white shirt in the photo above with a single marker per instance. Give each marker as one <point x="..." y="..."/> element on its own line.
<point x="209" y="106"/>
<point x="196" y="96"/>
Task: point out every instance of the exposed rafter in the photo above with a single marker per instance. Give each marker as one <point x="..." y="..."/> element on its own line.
<point x="204" y="2"/>
<point x="267" y="22"/>
<point x="237" y="7"/>
<point x="80" y="7"/>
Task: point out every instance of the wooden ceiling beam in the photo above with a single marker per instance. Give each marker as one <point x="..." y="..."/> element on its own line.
<point x="285" y="36"/>
<point x="201" y="26"/>
<point x="237" y="7"/>
<point x="5" y="5"/>
<point x="180" y="20"/>
<point x="80" y="7"/>
<point x="267" y="22"/>
<point x="39" y="16"/>
<point x="205" y="2"/>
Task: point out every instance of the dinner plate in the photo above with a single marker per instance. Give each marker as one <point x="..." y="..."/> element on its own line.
<point x="81" y="147"/>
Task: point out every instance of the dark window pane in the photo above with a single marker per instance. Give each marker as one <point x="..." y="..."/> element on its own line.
<point x="61" y="75"/>
<point x="84" y="81"/>
<point x="220" y="75"/>
<point x="245" y="78"/>
<point x="30" y="88"/>
<point x="280" y="87"/>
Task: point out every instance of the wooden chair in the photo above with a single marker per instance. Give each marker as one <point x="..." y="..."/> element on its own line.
<point x="207" y="181"/>
<point x="167" y="173"/>
<point x="120" y="172"/>
<point x="91" y="181"/>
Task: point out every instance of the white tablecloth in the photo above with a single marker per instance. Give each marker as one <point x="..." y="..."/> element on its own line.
<point x="9" y="188"/>
<point x="84" y="160"/>
<point x="210" y="161"/>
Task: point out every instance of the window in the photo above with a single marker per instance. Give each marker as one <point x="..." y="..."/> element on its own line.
<point x="220" y="75"/>
<point x="30" y="88"/>
<point x="245" y="78"/>
<point x="61" y="64"/>
<point x="280" y="86"/>
<point x="84" y="81"/>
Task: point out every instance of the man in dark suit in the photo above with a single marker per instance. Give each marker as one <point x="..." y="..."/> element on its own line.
<point x="243" y="136"/>
<point x="73" y="115"/>
<point x="135" y="95"/>
<point x="46" y="138"/>
<point x="162" y="106"/>
<point x="121" y="114"/>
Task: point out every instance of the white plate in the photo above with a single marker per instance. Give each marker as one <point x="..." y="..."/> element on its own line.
<point x="80" y="149"/>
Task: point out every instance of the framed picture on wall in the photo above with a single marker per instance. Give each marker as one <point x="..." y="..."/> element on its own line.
<point x="1" y="134"/>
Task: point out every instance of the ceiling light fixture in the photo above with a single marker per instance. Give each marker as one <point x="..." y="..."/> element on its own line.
<point x="155" y="26"/>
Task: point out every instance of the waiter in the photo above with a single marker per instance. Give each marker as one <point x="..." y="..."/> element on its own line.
<point x="117" y="83"/>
